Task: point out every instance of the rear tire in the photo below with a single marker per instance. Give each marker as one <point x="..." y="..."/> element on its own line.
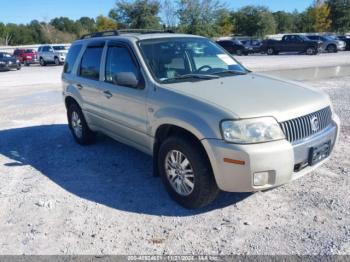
<point x="311" y="51"/>
<point x="177" y="176"/>
<point x="82" y="134"/>
<point x="57" y="61"/>
<point x="271" y="51"/>
<point x="42" y="62"/>
<point x="239" y="52"/>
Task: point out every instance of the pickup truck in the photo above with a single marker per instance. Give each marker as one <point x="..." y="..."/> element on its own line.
<point x="291" y="43"/>
<point x="26" y="56"/>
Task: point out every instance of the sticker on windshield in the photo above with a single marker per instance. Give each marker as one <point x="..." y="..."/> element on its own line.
<point x="226" y="59"/>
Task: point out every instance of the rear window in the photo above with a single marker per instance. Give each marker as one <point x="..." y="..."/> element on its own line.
<point x="90" y="63"/>
<point x="71" y="58"/>
<point x="60" y="48"/>
<point x="29" y="51"/>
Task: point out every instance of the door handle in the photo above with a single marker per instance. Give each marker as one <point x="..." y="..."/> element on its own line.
<point x="79" y="86"/>
<point x="107" y="94"/>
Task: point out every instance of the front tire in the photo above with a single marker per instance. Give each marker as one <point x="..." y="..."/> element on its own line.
<point x="78" y="126"/>
<point x="57" y="61"/>
<point x="186" y="172"/>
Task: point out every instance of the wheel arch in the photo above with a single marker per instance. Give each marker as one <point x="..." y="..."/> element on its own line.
<point x="69" y="100"/>
<point x="166" y="130"/>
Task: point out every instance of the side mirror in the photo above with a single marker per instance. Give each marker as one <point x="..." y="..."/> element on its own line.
<point x="126" y="79"/>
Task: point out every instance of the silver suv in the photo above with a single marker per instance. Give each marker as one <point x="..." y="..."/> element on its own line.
<point x="209" y="123"/>
<point x="52" y="54"/>
<point x="329" y="43"/>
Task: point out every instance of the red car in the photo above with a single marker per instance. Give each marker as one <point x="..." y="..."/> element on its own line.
<point x="26" y="56"/>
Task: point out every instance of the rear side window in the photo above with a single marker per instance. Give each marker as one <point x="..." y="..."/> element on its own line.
<point x="90" y="63"/>
<point x="71" y="58"/>
<point x="119" y="60"/>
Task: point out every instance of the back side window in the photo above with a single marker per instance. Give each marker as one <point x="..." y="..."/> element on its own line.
<point x="71" y="58"/>
<point x="90" y="63"/>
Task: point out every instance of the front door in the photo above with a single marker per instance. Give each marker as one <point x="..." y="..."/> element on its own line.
<point x="124" y="107"/>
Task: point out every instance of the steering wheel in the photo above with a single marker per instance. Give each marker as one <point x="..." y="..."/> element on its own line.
<point x="204" y="67"/>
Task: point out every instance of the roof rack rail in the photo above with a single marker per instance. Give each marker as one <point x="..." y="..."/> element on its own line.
<point x="125" y="31"/>
<point x="101" y="34"/>
<point x="143" y="31"/>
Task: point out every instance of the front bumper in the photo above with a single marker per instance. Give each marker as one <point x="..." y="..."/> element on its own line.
<point x="281" y="159"/>
<point x="9" y="66"/>
<point x="31" y="61"/>
<point x="341" y="48"/>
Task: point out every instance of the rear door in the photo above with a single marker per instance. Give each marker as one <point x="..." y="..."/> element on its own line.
<point x="50" y="54"/>
<point x="88" y="78"/>
<point x="45" y="53"/>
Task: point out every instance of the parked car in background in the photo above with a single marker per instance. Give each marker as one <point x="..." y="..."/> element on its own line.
<point x="208" y="122"/>
<point x="26" y="56"/>
<point x="8" y="62"/>
<point x="346" y="39"/>
<point x="329" y="44"/>
<point x="252" y="45"/>
<point x="233" y="47"/>
<point x="49" y="54"/>
<point x="291" y="43"/>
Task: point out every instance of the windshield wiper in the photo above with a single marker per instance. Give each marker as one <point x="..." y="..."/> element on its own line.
<point x="232" y="72"/>
<point x="191" y="76"/>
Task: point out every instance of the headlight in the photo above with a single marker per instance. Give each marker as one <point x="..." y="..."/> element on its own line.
<point x="253" y="130"/>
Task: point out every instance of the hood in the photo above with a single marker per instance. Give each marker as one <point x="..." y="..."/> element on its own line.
<point x="256" y="95"/>
<point x="7" y="59"/>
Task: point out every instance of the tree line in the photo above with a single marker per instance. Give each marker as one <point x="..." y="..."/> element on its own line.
<point x="209" y="18"/>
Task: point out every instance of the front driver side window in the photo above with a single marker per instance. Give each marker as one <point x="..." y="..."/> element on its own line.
<point x="119" y="60"/>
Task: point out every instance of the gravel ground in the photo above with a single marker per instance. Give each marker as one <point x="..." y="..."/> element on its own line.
<point x="60" y="198"/>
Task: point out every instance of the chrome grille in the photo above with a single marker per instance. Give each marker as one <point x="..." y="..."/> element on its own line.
<point x="300" y="128"/>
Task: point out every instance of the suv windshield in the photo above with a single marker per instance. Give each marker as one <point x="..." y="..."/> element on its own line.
<point x="181" y="59"/>
<point x="59" y="48"/>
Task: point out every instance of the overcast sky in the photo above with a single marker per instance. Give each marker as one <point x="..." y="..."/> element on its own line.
<point x="23" y="11"/>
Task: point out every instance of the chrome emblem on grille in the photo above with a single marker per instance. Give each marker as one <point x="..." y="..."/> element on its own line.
<point x="315" y="124"/>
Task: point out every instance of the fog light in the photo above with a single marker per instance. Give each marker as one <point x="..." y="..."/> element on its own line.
<point x="261" y="178"/>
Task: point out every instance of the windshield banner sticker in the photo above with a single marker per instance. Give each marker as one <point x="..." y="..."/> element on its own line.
<point x="226" y="59"/>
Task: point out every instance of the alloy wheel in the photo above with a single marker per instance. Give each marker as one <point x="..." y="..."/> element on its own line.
<point x="179" y="172"/>
<point x="310" y="51"/>
<point x="77" y="124"/>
